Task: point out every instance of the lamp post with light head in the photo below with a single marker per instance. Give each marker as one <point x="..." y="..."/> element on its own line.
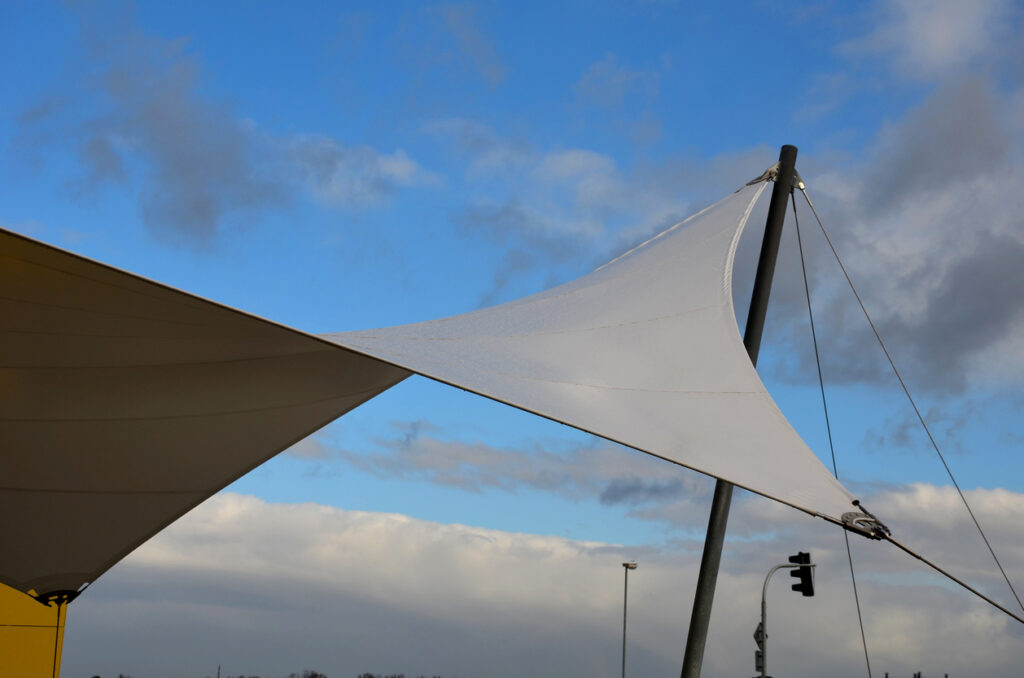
<point x="631" y="565"/>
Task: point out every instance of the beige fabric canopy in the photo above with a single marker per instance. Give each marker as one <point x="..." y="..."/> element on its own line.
<point x="124" y="403"/>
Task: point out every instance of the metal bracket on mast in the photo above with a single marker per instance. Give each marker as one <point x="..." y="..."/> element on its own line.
<point x="769" y="174"/>
<point x="772" y="174"/>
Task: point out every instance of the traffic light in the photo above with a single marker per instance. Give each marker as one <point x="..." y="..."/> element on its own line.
<point x="802" y="573"/>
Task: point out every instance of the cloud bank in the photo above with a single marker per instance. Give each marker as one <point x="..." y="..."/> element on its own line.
<point x="933" y="236"/>
<point x="383" y="592"/>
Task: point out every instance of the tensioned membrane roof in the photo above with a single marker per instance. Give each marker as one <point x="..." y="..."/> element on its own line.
<point x="124" y="403"/>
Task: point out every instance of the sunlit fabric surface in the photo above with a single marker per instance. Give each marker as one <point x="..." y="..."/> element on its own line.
<point x="644" y="351"/>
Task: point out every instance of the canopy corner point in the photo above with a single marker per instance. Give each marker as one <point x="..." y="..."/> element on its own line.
<point x="60" y="596"/>
<point x="863" y="522"/>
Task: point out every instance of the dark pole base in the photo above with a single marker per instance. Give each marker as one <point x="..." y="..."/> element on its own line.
<point x="700" y="618"/>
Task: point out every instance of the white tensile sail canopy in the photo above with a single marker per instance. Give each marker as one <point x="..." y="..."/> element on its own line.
<point x="124" y="403"/>
<point x="644" y="351"/>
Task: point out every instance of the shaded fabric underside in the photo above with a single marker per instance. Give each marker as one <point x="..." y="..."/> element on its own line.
<point x="124" y="403"/>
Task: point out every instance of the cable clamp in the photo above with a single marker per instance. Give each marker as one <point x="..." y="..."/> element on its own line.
<point x="863" y="522"/>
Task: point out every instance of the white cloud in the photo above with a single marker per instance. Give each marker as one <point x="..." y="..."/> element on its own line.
<point x="272" y="588"/>
<point x="610" y="92"/>
<point x="562" y="209"/>
<point x="607" y="83"/>
<point x="489" y="153"/>
<point x="930" y="38"/>
<point x="592" y="178"/>
<point x="310" y="447"/>
<point x="352" y="176"/>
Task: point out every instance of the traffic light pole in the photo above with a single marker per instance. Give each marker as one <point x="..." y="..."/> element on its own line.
<point x="700" y="617"/>
<point x="761" y="634"/>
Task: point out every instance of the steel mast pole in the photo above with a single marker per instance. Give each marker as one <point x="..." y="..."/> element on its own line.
<point x="700" y="618"/>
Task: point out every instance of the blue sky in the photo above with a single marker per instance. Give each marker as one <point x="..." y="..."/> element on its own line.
<point x="337" y="167"/>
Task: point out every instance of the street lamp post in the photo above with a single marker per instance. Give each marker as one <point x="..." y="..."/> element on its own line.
<point x="631" y="565"/>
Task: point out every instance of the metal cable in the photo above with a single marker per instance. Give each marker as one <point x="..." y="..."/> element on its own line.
<point x="962" y="583"/>
<point x="920" y="418"/>
<point x="828" y="427"/>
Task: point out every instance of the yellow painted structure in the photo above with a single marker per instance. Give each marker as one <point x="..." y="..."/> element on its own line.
<point x="31" y="636"/>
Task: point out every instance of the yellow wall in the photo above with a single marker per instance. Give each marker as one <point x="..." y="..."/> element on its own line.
<point x="27" y="635"/>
